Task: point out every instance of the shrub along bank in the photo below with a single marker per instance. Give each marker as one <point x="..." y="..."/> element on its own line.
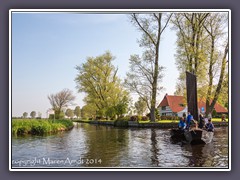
<point x="39" y="127"/>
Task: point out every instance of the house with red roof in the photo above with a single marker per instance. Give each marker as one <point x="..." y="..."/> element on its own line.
<point x="176" y="105"/>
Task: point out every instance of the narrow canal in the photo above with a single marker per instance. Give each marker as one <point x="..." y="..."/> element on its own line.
<point x="89" y="145"/>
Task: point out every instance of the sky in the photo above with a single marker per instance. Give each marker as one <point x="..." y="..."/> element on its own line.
<point x="46" y="48"/>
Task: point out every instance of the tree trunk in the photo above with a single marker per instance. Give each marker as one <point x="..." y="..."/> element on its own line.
<point x="219" y="86"/>
<point x="209" y="92"/>
<point x="155" y="75"/>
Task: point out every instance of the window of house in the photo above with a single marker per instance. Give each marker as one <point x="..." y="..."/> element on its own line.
<point x="163" y="107"/>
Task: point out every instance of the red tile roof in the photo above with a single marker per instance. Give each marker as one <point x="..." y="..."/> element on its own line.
<point x="218" y="107"/>
<point x="175" y="102"/>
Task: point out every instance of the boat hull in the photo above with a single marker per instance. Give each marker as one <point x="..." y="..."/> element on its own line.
<point x="194" y="136"/>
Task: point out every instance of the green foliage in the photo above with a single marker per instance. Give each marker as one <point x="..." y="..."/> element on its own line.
<point x="88" y="111"/>
<point x="69" y="113"/>
<point x="140" y="106"/>
<point x="25" y="114"/>
<point x="111" y="112"/>
<point x="214" y="113"/>
<point x="125" y="118"/>
<point x="51" y="116"/>
<point x="200" y="50"/>
<point x="122" y="107"/>
<point x="77" y="111"/>
<point x="98" y="79"/>
<point x="33" y="114"/>
<point x="59" y="114"/>
<point x="39" y="127"/>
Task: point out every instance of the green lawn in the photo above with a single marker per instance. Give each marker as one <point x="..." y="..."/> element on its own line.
<point x="160" y="121"/>
<point x="176" y="121"/>
<point x="218" y="120"/>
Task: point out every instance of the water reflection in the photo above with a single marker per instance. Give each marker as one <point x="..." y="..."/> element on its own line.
<point x="154" y="148"/>
<point x="117" y="147"/>
<point x="214" y="154"/>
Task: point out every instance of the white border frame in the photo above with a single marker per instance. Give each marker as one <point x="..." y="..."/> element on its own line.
<point x="110" y="11"/>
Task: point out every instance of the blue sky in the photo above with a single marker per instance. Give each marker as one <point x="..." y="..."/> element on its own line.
<point x="46" y="47"/>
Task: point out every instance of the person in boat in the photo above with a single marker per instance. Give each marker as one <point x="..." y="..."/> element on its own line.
<point x="189" y="119"/>
<point x="205" y="121"/>
<point x="182" y="124"/>
<point x="209" y="126"/>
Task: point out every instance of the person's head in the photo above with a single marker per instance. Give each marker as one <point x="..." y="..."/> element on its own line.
<point x="209" y="120"/>
<point x="189" y="113"/>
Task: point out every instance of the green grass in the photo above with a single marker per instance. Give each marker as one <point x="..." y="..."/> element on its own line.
<point x="161" y="121"/>
<point x="176" y="121"/>
<point x="218" y="120"/>
<point x="39" y="127"/>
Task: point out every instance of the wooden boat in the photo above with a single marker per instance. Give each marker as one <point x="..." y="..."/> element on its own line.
<point x="193" y="136"/>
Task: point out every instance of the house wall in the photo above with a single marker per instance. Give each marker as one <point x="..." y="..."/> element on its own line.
<point x="165" y="112"/>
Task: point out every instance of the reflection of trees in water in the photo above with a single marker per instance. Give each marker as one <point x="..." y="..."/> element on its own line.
<point x="105" y="143"/>
<point x="154" y="148"/>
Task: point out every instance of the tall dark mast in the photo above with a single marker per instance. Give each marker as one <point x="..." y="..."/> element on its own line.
<point x="192" y="103"/>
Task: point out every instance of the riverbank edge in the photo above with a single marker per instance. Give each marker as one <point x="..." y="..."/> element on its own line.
<point x="29" y="132"/>
<point x="142" y="125"/>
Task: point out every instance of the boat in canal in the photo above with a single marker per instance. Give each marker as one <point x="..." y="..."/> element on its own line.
<point x="193" y="136"/>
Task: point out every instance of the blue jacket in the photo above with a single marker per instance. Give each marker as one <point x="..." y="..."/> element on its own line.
<point x="189" y="118"/>
<point x="182" y="124"/>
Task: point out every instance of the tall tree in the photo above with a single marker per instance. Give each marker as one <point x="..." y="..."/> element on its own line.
<point x="190" y="53"/>
<point x="98" y="79"/>
<point x="217" y="59"/>
<point x="61" y="100"/>
<point x="202" y="49"/>
<point x="33" y="114"/>
<point x="25" y="114"/>
<point x="145" y="71"/>
<point x="77" y="111"/>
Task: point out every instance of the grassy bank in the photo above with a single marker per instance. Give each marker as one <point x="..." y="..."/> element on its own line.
<point x="159" y="124"/>
<point x="39" y="127"/>
<point x="177" y="121"/>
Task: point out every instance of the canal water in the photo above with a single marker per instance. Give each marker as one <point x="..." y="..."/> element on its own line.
<point x="89" y="145"/>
